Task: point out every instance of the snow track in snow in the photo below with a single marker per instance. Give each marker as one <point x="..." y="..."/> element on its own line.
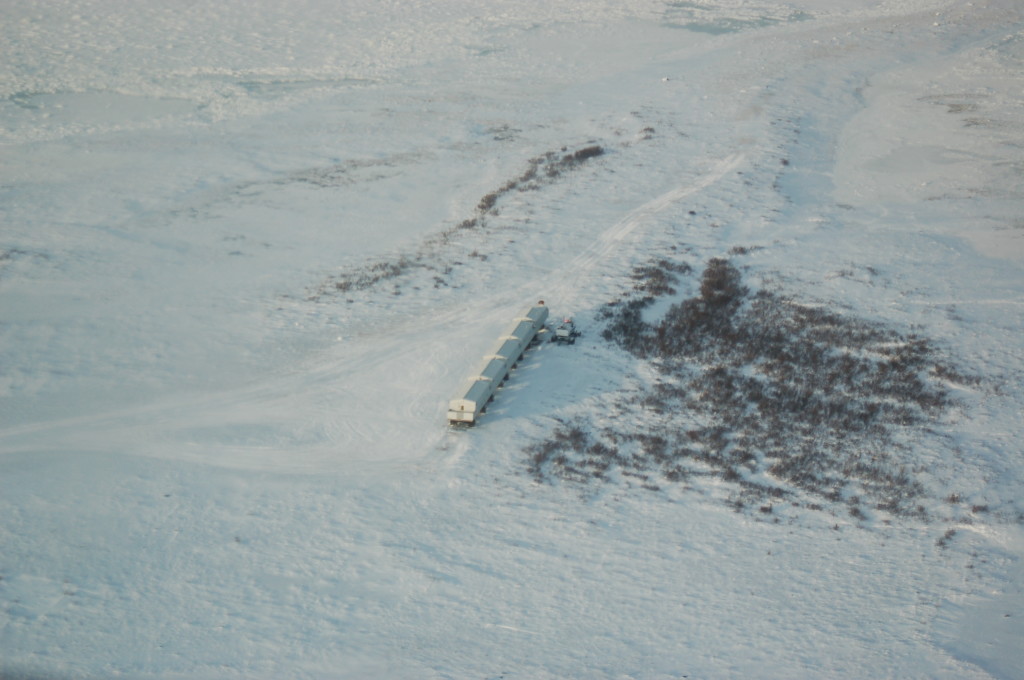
<point x="565" y="283"/>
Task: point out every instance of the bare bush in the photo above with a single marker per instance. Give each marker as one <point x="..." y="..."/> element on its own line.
<point x="587" y="153"/>
<point x="946" y="538"/>
<point x="720" y="283"/>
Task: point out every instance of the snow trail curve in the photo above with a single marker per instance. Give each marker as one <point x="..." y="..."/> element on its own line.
<point x="565" y="282"/>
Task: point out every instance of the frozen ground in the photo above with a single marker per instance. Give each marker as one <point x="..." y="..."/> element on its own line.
<point x="235" y="297"/>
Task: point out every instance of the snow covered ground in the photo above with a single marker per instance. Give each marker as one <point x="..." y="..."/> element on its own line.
<point x="235" y="298"/>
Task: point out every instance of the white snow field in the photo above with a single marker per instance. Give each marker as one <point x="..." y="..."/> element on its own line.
<point x="248" y="251"/>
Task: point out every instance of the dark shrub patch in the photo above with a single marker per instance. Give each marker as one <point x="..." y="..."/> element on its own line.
<point x="587" y="153"/>
<point x="759" y="383"/>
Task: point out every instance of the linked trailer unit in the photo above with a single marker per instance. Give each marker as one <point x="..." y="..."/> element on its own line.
<point x="506" y="353"/>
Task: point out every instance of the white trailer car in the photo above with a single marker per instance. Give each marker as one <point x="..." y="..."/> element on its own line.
<point x="479" y="389"/>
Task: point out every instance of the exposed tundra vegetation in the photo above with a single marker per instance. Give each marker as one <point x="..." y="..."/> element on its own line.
<point x="783" y="398"/>
<point x="541" y="170"/>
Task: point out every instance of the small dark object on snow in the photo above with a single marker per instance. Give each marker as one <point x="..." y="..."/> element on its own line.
<point x="565" y="333"/>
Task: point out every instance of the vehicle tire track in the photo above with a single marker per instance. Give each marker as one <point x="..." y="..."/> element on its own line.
<point x="565" y="282"/>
